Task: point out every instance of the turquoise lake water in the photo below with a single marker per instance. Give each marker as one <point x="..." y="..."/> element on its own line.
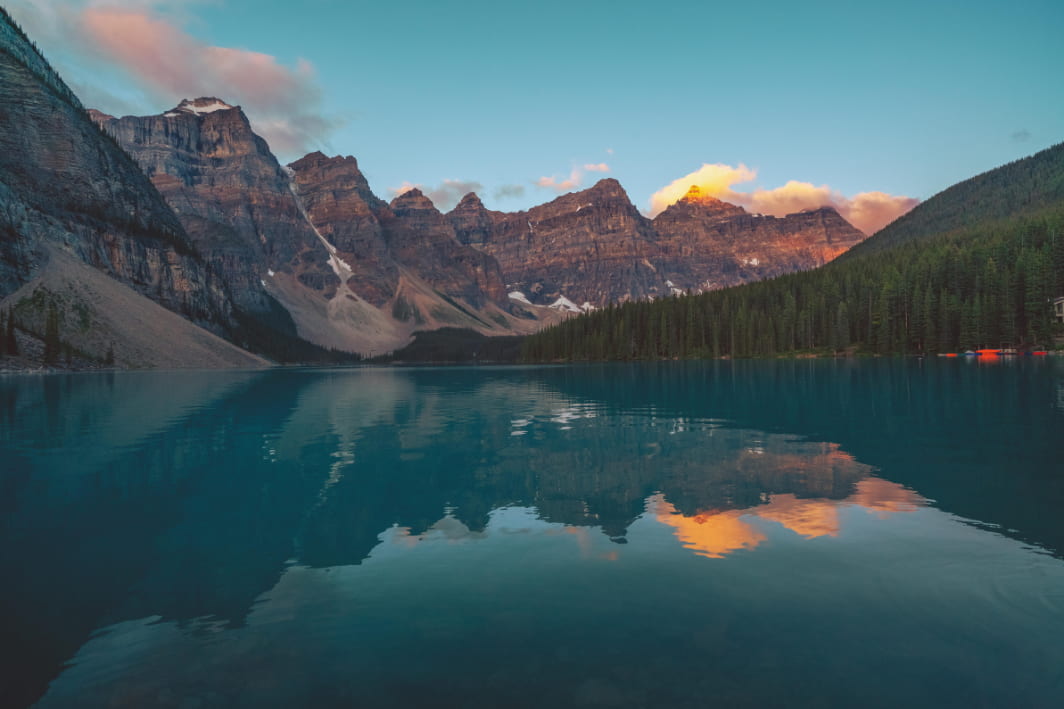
<point x="796" y="533"/>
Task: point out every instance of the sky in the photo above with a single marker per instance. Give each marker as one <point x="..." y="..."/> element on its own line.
<point x="777" y="106"/>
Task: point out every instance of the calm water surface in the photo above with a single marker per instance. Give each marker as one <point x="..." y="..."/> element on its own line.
<point x="877" y="534"/>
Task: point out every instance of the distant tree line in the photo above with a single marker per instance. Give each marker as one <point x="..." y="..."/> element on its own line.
<point x="8" y="341"/>
<point x="265" y="338"/>
<point x="977" y="286"/>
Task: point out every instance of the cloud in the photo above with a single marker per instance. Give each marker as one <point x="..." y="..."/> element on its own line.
<point x="404" y="188"/>
<point x="868" y="211"/>
<point x="144" y="39"/>
<point x="712" y="179"/>
<point x="575" y="179"/>
<point x="562" y="185"/>
<point x="444" y="195"/>
<point x="509" y="191"/>
<point x="1021" y="136"/>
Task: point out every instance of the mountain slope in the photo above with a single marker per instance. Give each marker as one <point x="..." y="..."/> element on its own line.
<point x="595" y="247"/>
<point x="63" y="183"/>
<point x="68" y="191"/>
<point x="708" y="244"/>
<point x="990" y="283"/>
<point x="230" y="193"/>
<point x="1021" y="187"/>
<point x="404" y="268"/>
<point x="97" y="314"/>
<point x="590" y="246"/>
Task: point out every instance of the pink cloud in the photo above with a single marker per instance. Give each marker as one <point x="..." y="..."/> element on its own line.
<point x="867" y="211"/>
<point x="597" y="167"/>
<point x="170" y="64"/>
<point x="562" y="185"/>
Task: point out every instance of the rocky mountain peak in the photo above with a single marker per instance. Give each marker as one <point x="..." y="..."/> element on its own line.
<point x="411" y="200"/>
<point x="473" y="223"/>
<point x="696" y="196"/>
<point x="318" y="159"/>
<point x="315" y="158"/>
<point x="200" y="106"/>
<point x="99" y="117"/>
<point x="469" y="202"/>
<point x="607" y="187"/>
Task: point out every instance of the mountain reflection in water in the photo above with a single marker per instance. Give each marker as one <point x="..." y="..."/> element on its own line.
<point x="330" y="523"/>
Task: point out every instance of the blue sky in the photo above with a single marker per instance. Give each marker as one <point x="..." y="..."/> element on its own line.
<point x="904" y="98"/>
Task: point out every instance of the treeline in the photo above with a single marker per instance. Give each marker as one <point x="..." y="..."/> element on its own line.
<point x="266" y="337"/>
<point x="8" y="341"/>
<point x="454" y="345"/>
<point x="974" y="287"/>
<point x="1026" y="186"/>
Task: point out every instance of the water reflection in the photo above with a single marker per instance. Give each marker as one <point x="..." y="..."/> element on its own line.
<point x="716" y="533"/>
<point x="200" y="500"/>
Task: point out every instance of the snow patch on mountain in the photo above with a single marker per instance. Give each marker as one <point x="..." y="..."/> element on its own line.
<point x="564" y="303"/>
<point x="519" y="297"/>
<point x="201" y="106"/>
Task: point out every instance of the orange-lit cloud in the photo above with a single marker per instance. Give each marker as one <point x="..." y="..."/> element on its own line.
<point x="561" y="185"/>
<point x="281" y="102"/>
<point x="868" y="211"/>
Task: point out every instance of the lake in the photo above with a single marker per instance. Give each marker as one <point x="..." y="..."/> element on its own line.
<point x="765" y="533"/>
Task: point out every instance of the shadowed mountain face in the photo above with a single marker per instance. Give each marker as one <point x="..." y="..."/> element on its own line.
<point x="379" y="240"/>
<point x="230" y="193"/>
<point x="353" y="272"/>
<point x="65" y="185"/>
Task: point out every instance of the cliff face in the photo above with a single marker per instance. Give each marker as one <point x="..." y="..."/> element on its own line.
<point x="423" y="240"/>
<point x="379" y="241"/>
<point x="233" y="198"/>
<point x="64" y="184"/>
<point x="353" y="272"/>
<point x="473" y="223"/>
<point x="590" y="246"/>
<point x="706" y="244"/>
<point x="594" y="247"/>
<point x="344" y="210"/>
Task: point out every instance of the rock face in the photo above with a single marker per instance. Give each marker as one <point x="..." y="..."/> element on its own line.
<point x="233" y="198"/>
<point x="423" y="240"/>
<point x="591" y="246"/>
<point x="473" y="223"/>
<point x="342" y="207"/>
<point x="352" y="271"/>
<point x="707" y="244"/>
<point x="64" y="185"/>
<point x="594" y="247"/>
<point x="380" y="242"/>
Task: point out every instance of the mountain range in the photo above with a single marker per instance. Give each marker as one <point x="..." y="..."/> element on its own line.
<point x="978" y="266"/>
<point x="191" y="211"/>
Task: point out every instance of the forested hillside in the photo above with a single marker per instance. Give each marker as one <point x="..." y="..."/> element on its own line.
<point x="1023" y="186"/>
<point x="989" y="283"/>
